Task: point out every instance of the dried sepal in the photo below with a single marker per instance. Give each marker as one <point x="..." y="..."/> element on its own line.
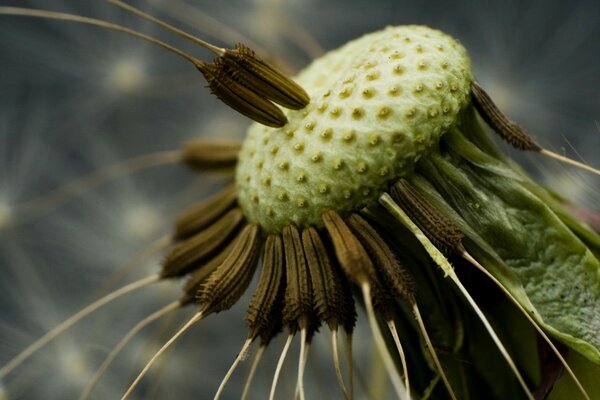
<point x="225" y="286"/>
<point x="184" y="257"/>
<point x="326" y="282"/>
<point x="199" y="216"/>
<point x="505" y="128"/>
<point x="298" y="298"/>
<point x="394" y="273"/>
<point x="264" y="309"/>
<point x="442" y="232"/>
<point x="202" y="154"/>
<point x="250" y="70"/>
<point x="239" y="97"/>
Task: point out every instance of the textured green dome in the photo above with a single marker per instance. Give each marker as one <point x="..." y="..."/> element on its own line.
<point x="377" y="105"/>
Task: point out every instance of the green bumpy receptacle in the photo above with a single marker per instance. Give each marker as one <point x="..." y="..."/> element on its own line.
<point x="377" y="106"/>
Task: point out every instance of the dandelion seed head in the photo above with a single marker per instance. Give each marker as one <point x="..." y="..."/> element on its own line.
<point x="366" y="150"/>
<point x="123" y="219"/>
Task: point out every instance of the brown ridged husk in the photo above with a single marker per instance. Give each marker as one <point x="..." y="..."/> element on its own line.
<point x="198" y="276"/>
<point x="298" y="298"/>
<point x="442" y="232"/>
<point x="202" y="154"/>
<point x="198" y="217"/>
<point x="259" y="76"/>
<point x="239" y="97"/>
<point x="325" y="279"/>
<point x="395" y="275"/>
<point x="265" y="308"/>
<point x="505" y="128"/>
<point x="227" y="284"/>
<point x="357" y="264"/>
<point x="185" y="256"/>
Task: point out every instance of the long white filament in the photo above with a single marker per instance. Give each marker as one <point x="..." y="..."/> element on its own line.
<point x="380" y="343"/>
<point x="432" y="352"/>
<point x="336" y="363"/>
<point x="492" y="334"/>
<point x="72" y="320"/>
<point x="394" y="332"/>
<point x="30" y="12"/>
<point x="304" y="345"/>
<point x="197" y="317"/>
<point x="255" y="362"/>
<point x="567" y="160"/>
<point x="280" y="365"/>
<point x="192" y="38"/>
<point x="242" y="354"/>
<point x="122" y="343"/>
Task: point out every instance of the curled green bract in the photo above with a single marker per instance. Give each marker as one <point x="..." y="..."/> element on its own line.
<point x="551" y="271"/>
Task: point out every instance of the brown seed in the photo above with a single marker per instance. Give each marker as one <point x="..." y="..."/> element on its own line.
<point x="298" y="298"/>
<point x="262" y="78"/>
<point x="201" y="154"/>
<point x="198" y="217"/>
<point x="198" y="276"/>
<point x="350" y="253"/>
<point x="264" y="309"/>
<point x="186" y="255"/>
<point x="325" y="279"/>
<point x="396" y="277"/>
<point x="239" y="97"/>
<point x="225" y="286"/>
<point x="508" y="130"/>
<point x="442" y="232"/>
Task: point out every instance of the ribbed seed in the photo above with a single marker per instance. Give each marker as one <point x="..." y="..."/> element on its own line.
<point x="505" y="128"/>
<point x="239" y="97"/>
<point x="253" y="72"/>
<point x="298" y="298"/>
<point x="350" y="253"/>
<point x="197" y="248"/>
<point x="268" y="295"/>
<point x="444" y="234"/>
<point x="204" y="154"/>
<point x="225" y="286"/>
<point x="395" y="275"/>
<point x="357" y="263"/>
<point x="198" y="217"/>
<point x="197" y="277"/>
<point x="325" y="280"/>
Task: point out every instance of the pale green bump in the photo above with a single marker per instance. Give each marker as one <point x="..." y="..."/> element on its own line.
<point x="377" y="105"/>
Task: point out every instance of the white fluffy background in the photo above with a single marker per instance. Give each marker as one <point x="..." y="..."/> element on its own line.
<point x="75" y="98"/>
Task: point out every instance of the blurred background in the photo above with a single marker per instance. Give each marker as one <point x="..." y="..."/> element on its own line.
<point x="76" y="98"/>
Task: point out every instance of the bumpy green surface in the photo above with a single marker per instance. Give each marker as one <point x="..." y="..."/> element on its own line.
<point x="377" y="105"/>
